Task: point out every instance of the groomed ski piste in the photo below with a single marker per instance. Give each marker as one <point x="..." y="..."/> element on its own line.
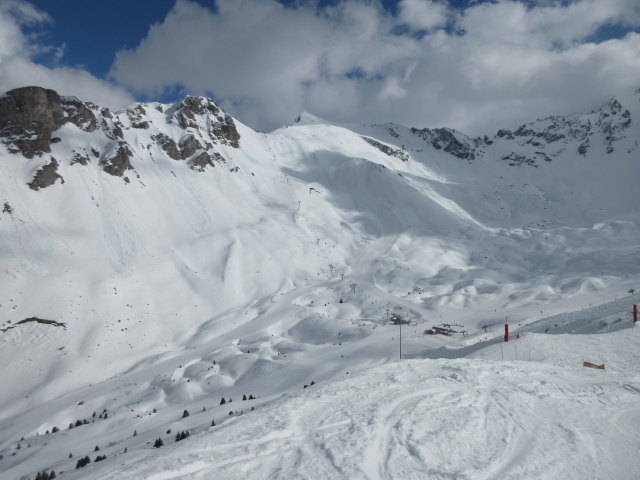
<point x="518" y="410"/>
<point x="276" y="274"/>
<point x="545" y="418"/>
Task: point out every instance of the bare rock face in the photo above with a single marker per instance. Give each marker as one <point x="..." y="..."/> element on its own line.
<point x="392" y="152"/>
<point x="79" y="158"/>
<point x="612" y="121"/>
<point x="79" y="114"/>
<point x="28" y="116"/>
<point x="120" y="162"/>
<point x="449" y="141"/>
<point x="201" y="161"/>
<point x="220" y="126"/>
<point x="137" y="117"/>
<point x="188" y="146"/>
<point x="168" y="145"/>
<point x="46" y="176"/>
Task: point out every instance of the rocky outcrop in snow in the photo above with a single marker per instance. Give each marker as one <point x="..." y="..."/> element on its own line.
<point x="194" y="112"/>
<point x="388" y="150"/>
<point x="558" y="133"/>
<point x="450" y="141"/>
<point x="28" y="116"/>
<point x="46" y="176"/>
<point x="191" y="130"/>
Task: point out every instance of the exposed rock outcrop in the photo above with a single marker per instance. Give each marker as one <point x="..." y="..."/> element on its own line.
<point x="193" y="112"/>
<point x="168" y="145"/>
<point x="79" y="114"/>
<point x="81" y="159"/>
<point x="201" y="161"/>
<point x="188" y="146"/>
<point x="119" y="162"/>
<point x="46" y="176"/>
<point x="392" y="152"/>
<point x="450" y="141"/>
<point x="28" y="116"/>
<point x="610" y="120"/>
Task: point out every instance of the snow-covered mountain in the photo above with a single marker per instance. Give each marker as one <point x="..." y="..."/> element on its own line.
<point x="163" y="257"/>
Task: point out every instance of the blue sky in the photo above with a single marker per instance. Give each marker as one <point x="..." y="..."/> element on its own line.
<point x="471" y="65"/>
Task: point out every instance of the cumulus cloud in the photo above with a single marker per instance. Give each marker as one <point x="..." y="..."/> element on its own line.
<point x="423" y="14"/>
<point x="18" y="67"/>
<point x="266" y="62"/>
<point x="487" y="65"/>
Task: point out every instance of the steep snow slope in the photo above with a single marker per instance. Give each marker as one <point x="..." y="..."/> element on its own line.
<point x="187" y="239"/>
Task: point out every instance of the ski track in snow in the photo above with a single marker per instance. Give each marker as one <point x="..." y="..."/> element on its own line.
<point x="429" y="419"/>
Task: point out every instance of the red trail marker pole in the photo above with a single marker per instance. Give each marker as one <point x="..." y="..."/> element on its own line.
<point x="506" y="332"/>
<point x="635" y="313"/>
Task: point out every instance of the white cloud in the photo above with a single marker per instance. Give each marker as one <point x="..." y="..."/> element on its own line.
<point x="500" y="64"/>
<point x="423" y="14"/>
<point x="17" y="68"/>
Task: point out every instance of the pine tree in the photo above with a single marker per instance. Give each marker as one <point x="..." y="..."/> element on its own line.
<point x="52" y="475"/>
<point x="213" y="423"/>
<point x="158" y="443"/>
<point x="244" y="397"/>
<point x="185" y="414"/>
<point x="222" y="401"/>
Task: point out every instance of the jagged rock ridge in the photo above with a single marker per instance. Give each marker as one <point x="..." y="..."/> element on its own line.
<point x="31" y="116"/>
<point x="541" y="140"/>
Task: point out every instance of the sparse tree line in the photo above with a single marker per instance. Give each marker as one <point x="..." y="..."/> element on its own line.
<point x="86" y="460"/>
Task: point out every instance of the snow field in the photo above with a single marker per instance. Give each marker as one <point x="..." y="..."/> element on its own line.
<point x="181" y="287"/>
<point x="462" y="418"/>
